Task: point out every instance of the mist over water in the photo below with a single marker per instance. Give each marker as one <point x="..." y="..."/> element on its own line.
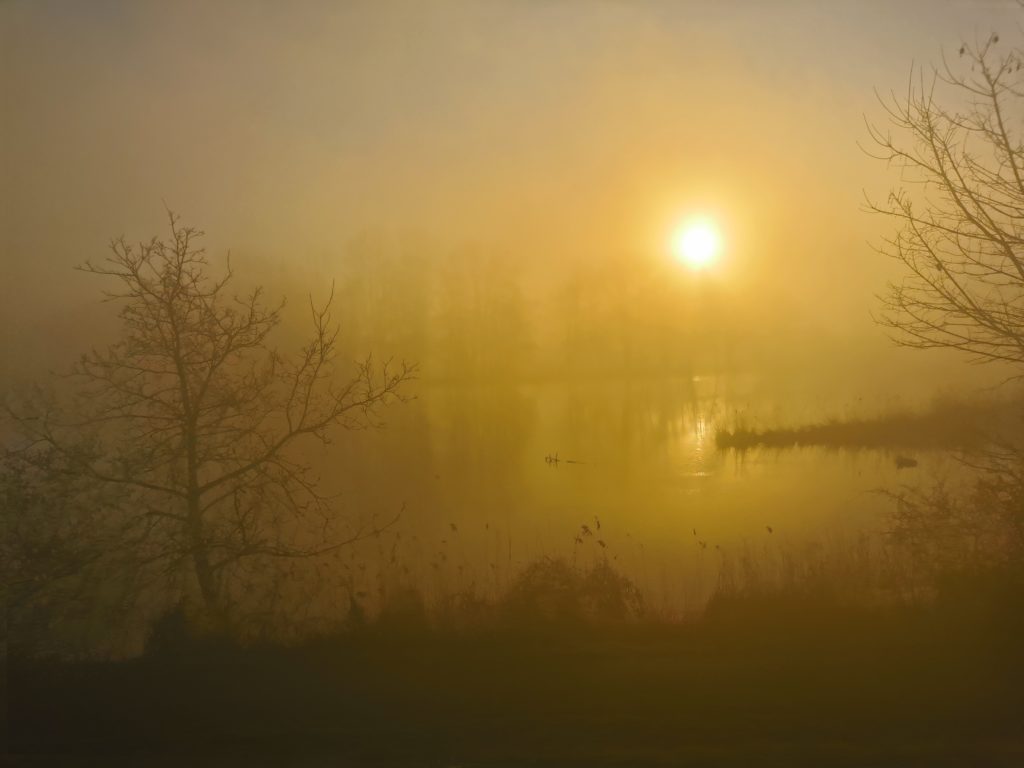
<point x="587" y="399"/>
<point x="640" y="456"/>
<point x="487" y="383"/>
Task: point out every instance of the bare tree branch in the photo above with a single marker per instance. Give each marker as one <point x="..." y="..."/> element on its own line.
<point x="199" y="420"/>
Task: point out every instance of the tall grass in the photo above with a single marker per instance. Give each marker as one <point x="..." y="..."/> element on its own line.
<point x="947" y="424"/>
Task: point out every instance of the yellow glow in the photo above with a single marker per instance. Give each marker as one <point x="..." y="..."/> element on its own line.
<point x="697" y="244"/>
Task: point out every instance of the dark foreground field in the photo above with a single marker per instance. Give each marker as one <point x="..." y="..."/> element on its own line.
<point x="768" y="681"/>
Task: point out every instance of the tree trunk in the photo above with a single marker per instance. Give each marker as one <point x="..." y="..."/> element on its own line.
<point x="196" y="532"/>
<point x="200" y="555"/>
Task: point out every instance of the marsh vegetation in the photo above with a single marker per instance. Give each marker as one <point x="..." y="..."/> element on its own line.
<point x="478" y="471"/>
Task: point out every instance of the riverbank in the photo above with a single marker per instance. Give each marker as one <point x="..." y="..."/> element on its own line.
<point x="761" y="679"/>
<point x="946" y="425"/>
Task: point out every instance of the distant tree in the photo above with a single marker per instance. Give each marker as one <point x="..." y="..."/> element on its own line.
<point x="481" y="326"/>
<point x="956" y="136"/>
<point x="189" y="429"/>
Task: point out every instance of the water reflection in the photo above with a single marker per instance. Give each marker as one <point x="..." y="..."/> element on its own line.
<point x="637" y="463"/>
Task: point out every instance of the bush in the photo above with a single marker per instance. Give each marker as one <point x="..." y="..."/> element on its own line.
<point x="550" y="591"/>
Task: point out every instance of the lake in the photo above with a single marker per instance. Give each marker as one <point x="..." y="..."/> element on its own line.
<point x="637" y="466"/>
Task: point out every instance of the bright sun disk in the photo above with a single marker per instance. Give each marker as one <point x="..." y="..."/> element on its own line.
<point x="696" y="244"/>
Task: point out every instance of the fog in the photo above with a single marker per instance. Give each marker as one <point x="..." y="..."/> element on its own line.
<point x="555" y="143"/>
<point x="493" y="195"/>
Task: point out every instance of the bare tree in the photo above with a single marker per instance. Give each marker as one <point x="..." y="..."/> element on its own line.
<point x="194" y="425"/>
<point x="956" y="137"/>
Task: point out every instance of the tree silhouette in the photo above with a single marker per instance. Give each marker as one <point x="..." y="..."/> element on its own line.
<point x="958" y="145"/>
<point x="960" y="239"/>
<point x="197" y="424"/>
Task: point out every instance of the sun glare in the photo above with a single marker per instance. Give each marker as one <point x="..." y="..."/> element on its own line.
<point x="697" y="244"/>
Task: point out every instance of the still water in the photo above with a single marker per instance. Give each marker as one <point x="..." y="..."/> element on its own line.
<point x="637" y="465"/>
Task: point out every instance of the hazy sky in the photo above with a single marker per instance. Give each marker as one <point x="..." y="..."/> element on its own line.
<point x="554" y="131"/>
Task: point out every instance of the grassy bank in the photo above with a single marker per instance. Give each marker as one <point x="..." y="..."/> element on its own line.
<point x="946" y="425"/>
<point x="765" y="679"/>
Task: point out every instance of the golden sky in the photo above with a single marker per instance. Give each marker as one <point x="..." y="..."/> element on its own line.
<point x="553" y="132"/>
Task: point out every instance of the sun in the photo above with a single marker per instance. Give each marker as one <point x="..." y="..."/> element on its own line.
<point x="697" y="243"/>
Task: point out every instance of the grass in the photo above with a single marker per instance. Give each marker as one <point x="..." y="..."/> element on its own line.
<point x="947" y="424"/>
<point x="770" y="676"/>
